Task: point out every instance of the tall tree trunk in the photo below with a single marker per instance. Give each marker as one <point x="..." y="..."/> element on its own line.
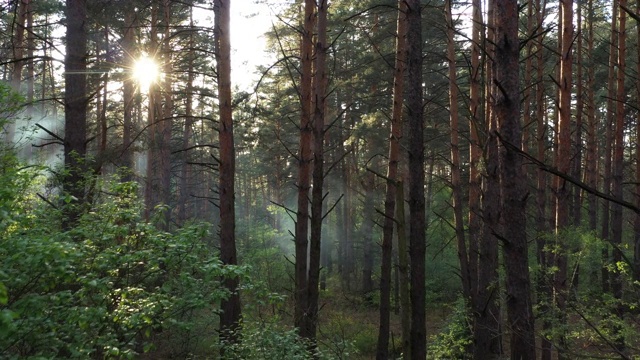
<point x="75" y="109"/>
<point x="128" y="47"/>
<point x="102" y="100"/>
<point x="18" y="47"/>
<point x="576" y="163"/>
<point x="403" y="267"/>
<point x="488" y="342"/>
<point x="475" y="147"/>
<point x="618" y="169"/>
<point x="592" y="126"/>
<point x="456" y="182"/>
<point x="513" y="233"/>
<point x="609" y="143"/>
<point x="591" y="172"/>
<point x="563" y="192"/>
<point x="543" y="282"/>
<point x="31" y="48"/>
<point x="152" y="188"/>
<point x="396" y="132"/>
<point x="636" y="223"/>
<point x="164" y="126"/>
<point x="368" y="186"/>
<point x="483" y="249"/>
<point x="415" y="121"/>
<point x="305" y="157"/>
<point x="231" y="311"/>
<point x="317" y="194"/>
<point x="185" y="172"/>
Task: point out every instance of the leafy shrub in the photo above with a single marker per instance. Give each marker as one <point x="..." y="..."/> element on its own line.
<point x="267" y="341"/>
<point x="103" y="288"/>
<point x="453" y="341"/>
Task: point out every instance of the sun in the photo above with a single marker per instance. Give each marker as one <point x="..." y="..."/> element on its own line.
<point x="146" y="71"/>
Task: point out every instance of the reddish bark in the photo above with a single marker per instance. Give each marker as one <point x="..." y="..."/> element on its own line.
<point x="231" y="310"/>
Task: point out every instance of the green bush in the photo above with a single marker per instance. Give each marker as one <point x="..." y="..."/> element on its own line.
<point x="103" y="288"/>
<point x="267" y="341"/>
<point x="454" y="340"/>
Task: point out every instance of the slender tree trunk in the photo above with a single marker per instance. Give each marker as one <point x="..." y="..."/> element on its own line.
<point x="75" y="109"/>
<point x="543" y="280"/>
<point x="128" y="47"/>
<point x="514" y="236"/>
<point x="609" y="143"/>
<point x="101" y="109"/>
<point x="231" y="310"/>
<point x="403" y="271"/>
<point x="185" y="172"/>
<point x="152" y="188"/>
<point x="636" y="224"/>
<point x="475" y="147"/>
<point x="317" y="194"/>
<point x="165" y="125"/>
<point x="483" y="251"/>
<point x="415" y="121"/>
<point x="18" y="47"/>
<point x="618" y="169"/>
<point x="488" y="341"/>
<point x="576" y="163"/>
<point x="456" y="181"/>
<point x="31" y="47"/>
<point x="305" y="157"/>
<point x="368" y="185"/>
<point x="390" y="204"/>
<point x="592" y="125"/>
<point x="563" y="192"/>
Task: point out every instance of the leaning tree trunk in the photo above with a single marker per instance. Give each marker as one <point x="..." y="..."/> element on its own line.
<point x="231" y="311"/>
<point x="513" y="218"/>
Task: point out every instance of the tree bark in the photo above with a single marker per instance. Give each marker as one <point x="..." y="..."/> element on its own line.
<point x="128" y="47"/>
<point x="152" y="187"/>
<point x="563" y="191"/>
<point x="184" y="210"/>
<point x="520" y="319"/>
<point x="305" y="157"/>
<point x="456" y="181"/>
<point x="17" y="47"/>
<point x="415" y="121"/>
<point x="636" y="223"/>
<point x="396" y="132"/>
<point x="488" y="341"/>
<point x="231" y="310"/>
<point x="543" y="281"/>
<point x="75" y="106"/>
<point x="618" y="170"/>
<point x="609" y="143"/>
<point x="317" y="194"/>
